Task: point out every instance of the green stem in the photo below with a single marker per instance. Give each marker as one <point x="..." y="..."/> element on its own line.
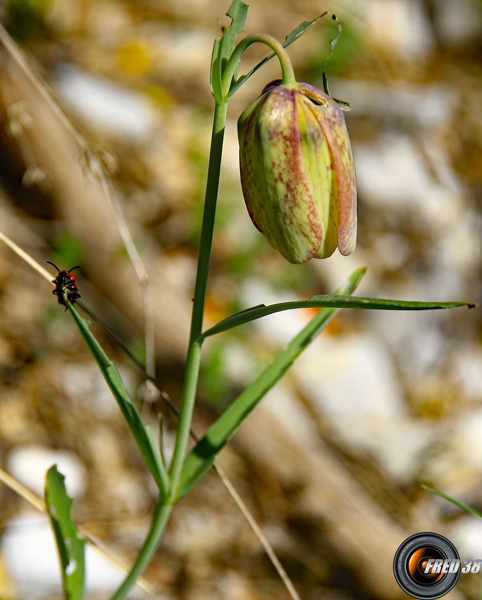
<point x="210" y="201"/>
<point x="204" y="453"/>
<point x="194" y="352"/>
<point x="185" y="414"/>
<point x="147" y="551"/>
<point x="287" y="74"/>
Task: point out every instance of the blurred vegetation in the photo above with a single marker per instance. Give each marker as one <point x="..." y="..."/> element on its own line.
<point x="133" y="77"/>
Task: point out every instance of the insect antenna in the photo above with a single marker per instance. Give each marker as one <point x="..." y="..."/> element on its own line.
<point x="51" y="263"/>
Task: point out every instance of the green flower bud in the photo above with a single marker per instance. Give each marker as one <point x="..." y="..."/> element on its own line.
<point x="297" y="172"/>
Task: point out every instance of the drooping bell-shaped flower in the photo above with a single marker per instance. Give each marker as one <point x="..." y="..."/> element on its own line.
<point x="297" y="172"/>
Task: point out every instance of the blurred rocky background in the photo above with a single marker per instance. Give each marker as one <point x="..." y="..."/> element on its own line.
<point x="332" y="462"/>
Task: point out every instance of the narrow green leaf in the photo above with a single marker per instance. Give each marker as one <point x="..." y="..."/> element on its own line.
<point x="225" y="44"/>
<point x="200" y="459"/>
<point x="238" y="12"/>
<point x="461" y="505"/>
<point x="215" y="74"/>
<point x="289" y="39"/>
<point x="344" y="105"/>
<point x="325" y="301"/>
<point x="141" y="432"/>
<point x="69" y="545"/>
<point x="302" y="28"/>
<point x="333" y="44"/>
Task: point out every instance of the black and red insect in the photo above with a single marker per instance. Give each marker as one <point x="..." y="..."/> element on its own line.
<point x="65" y="282"/>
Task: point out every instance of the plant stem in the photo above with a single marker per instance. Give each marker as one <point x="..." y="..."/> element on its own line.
<point x="211" y="196"/>
<point x="150" y="545"/>
<point x="194" y="352"/>
<point x="287" y="74"/>
<point x="204" y="453"/>
<point x="185" y="414"/>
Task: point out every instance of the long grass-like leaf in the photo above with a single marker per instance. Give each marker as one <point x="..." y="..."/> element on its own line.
<point x="324" y="301"/>
<point x="141" y="432"/>
<point x="69" y="545"/>
<point x="461" y="505"/>
<point x="200" y="459"/>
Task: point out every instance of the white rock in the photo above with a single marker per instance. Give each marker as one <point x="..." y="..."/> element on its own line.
<point x="458" y="23"/>
<point x="424" y="106"/>
<point x="279" y="327"/>
<point x="414" y="338"/>
<point x="391" y="250"/>
<point x="398" y="27"/>
<point x="105" y="105"/>
<point x="467" y="367"/>
<point x="351" y="381"/>
<point x="29" y="464"/>
<point x="85" y="384"/>
<point x="291" y="414"/>
<point x="398" y="445"/>
<point x="468" y="439"/>
<point x="239" y="364"/>
<point x="350" y="377"/>
<point x="393" y="173"/>
<point x="30" y="554"/>
<point x="466" y="535"/>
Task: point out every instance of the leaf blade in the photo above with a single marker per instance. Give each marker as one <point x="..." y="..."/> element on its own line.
<point x="326" y="301"/>
<point x="225" y="44"/>
<point x="215" y="71"/>
<point x="141" y="432"/>
<point x="200" y="459"/>
<point x="461" y="505"/>
<point x="70" y="546"/>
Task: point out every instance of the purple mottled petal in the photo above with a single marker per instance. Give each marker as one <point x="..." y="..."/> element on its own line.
<point x="332" y="122"/>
